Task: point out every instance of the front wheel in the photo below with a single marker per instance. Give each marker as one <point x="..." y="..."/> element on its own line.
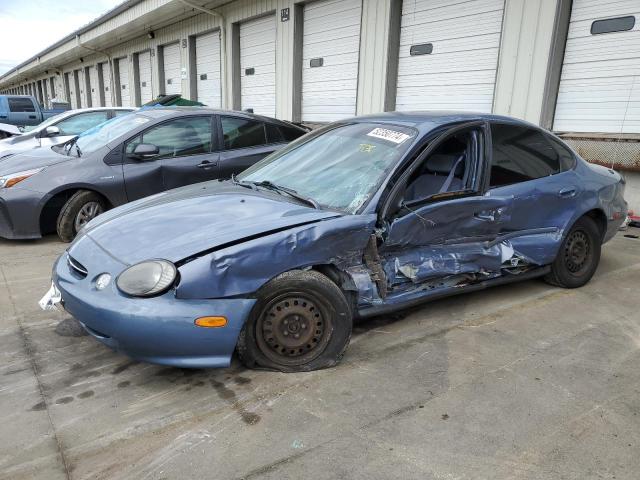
<point x="301" y="321"/>
<point x="578" y="257"/>
<point x="80" y="209"/>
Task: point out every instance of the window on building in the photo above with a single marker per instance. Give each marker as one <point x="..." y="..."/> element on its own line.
<point x="611" y="25"/>
<point x="520" y="154"/>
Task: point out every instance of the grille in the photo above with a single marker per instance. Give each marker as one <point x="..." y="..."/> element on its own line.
<point x="76" y="266"/>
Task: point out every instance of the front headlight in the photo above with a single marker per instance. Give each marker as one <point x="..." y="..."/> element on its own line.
<point x="10" y="180"/>
<point x="148" y="278"/>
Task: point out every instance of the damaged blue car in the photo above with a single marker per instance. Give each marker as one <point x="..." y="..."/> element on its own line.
<point x="359" y="218"/>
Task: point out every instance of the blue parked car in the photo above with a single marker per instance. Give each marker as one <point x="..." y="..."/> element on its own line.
<point x="361" y="217"/>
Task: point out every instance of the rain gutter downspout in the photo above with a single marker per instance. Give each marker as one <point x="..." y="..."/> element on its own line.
<point x="223" y="35"/>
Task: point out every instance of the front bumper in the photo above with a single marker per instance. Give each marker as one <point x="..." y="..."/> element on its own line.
<point x="157" y="330"/>
<point x="19" y="213"/>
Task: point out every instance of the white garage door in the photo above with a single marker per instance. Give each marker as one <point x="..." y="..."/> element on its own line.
<point x="144" y="77"/>
<point x="171" y="69"/>
<point x="600" y="81"/>
<point x="106" y="83"/>
<point x="448" y="55"/>
<point x="123" y="77"/>
<point x="258" y="65"/>
<point x="330" y="46"/>
<point x="95" y="87"/>
<point x="208" y="83"/>
<point x="82" y="88"/>
<point x="70" y="83"/>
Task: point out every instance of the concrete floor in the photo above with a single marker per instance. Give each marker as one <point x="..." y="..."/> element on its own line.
<point x="525" y="381"/>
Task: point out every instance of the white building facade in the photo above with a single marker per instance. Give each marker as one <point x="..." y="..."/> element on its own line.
<point x="570" y="66"/>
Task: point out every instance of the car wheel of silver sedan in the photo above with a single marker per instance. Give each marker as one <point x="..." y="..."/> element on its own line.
<point x="82" y="207"/>
<point x="300" y="322"/>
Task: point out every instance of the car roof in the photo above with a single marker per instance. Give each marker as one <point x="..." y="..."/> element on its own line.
<point x="160" y="112"/>
<point x="428" y="120"/>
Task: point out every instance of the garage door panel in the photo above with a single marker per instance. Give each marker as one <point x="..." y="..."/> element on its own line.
<point x="331" y="31"/>
<point x="94" y="87"/>
<point x="599" y="86"/>
<point x="106" y="84"/>
<point x="125" y="88"/>
<point x="602" y="9"/>
<point x="171" y="68"/>
<point x="144" y="77"/>
<point x="423" y="12"/>
<point x="258" y="52"/>
<point x="208" y="71"/>
<point x="460" y="72"/>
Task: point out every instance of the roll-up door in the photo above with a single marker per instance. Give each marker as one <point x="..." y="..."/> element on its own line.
<point x="144" y="77"/>
<point x="258" y="65"/>
<point x="600" y="81"/>
<point x="448" y="55"/>
<point x="94" y="85"/>
<point x="171" y="69"/>
<point x="123" y="77"/>
<point x="106" y="84"/>
<point x="82" y="88"/>
<point x="208" y="82"/>
<point x="330" y="46"/>
<point x="70" y="89"/>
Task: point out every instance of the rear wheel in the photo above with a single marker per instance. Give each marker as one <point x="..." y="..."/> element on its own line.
<point x="578" y="257"/>
<point x="300" y="322"/>
<point x="80" y="209"/>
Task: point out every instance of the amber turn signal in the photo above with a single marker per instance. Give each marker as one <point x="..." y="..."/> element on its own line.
<point x="211" y="322"/>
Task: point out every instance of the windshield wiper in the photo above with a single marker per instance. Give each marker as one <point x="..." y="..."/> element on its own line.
<point x="235" y="181"/>
<point x="289" y="191"/>
<point x="78" y="149"/>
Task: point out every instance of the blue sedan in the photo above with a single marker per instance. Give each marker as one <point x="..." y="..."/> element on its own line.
<point x="359" y="218"/>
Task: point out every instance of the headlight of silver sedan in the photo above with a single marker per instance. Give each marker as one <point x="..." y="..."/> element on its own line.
<point x="8" y="181"/>
<point x="148" y="278"/>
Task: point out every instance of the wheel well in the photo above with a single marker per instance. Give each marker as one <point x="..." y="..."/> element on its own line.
<point x="341" y="279"/>
<point x="51" y="209"/>
<point x="600" y="218"/>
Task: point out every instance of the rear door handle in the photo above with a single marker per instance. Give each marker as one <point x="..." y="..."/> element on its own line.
<point x="568" y="192"/>
<point x="207" y="164"/>
<point x="32" y="116"/>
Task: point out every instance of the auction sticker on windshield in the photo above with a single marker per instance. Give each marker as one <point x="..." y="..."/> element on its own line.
<point x="390" y="135"/>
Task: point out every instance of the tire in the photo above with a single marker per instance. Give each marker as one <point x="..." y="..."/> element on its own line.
<point x="79" y="205"/>
<point x="277" y="336"/>
<point x="578" y="257"/>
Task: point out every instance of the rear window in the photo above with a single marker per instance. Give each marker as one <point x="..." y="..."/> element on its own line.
<point x="291" y="133"/>
<point x="21" y="105"/>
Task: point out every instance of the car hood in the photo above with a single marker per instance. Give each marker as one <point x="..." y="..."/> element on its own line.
<point x="184" y="222"/>
<point x="10" y="129"/>
<point x="34" y="158"/>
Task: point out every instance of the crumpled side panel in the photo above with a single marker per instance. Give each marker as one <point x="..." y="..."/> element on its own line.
<point x="243" y="268"/>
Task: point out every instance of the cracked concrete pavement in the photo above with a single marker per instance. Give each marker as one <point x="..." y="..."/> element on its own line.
<point x="524" y="381"/>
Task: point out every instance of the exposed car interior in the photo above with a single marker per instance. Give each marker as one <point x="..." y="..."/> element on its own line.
<point x="446" y="169"/>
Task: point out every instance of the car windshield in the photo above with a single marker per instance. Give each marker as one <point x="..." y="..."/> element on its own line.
<point x="48" y="122"/>
<point x="98" y="136"/>
<point x="338" y="167"/>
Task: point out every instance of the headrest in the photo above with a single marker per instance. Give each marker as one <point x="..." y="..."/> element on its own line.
<point x="442" y="164"/>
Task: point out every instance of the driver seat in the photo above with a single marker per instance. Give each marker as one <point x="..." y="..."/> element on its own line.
<point x="437" y="171"/>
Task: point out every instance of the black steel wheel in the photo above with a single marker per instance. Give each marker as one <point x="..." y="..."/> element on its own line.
<point x="578" y="257"/>
<point x="301" y="321"/>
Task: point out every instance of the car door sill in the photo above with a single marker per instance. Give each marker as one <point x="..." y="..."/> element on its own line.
<point x="426" y="296"/>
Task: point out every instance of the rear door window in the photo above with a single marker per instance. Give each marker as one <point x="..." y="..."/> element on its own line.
<point x="17" y="104"/>
<point x="520" y="154"/>
<point x="242" y="133"/>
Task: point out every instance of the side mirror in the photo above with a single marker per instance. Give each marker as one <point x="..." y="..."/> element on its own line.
<point x="145" y="151"/>
<point x="51" y="131"/>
